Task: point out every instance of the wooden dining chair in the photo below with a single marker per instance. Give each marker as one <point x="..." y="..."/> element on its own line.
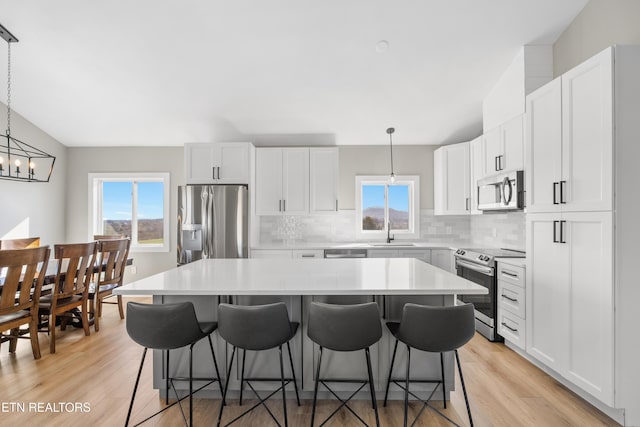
<point x="112" y="259"/>
<point x="29" y="242"/>
<point x="71" y="287"/>
<point x="21" y="275"/>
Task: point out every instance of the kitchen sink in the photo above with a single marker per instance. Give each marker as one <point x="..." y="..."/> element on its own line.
<point x="393" y="244"/>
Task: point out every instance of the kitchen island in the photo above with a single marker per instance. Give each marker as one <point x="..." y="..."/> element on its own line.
<point x="390" y="282"/>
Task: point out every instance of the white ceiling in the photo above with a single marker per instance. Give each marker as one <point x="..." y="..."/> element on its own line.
<point x="150" y="72"/>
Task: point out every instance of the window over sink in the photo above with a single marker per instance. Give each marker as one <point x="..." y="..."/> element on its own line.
<point x="382" y="205"/>
<point x="131" y="204"/>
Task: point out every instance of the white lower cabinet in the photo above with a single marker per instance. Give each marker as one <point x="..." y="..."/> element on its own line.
<point x="511" y="303"/>
<point x="271" y="253"/>
<point x="307" y="253"/>
<point x="569" y="298"/>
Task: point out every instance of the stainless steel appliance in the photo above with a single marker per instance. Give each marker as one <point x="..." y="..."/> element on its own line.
<point x="504" y="191"/>
<point x="345" y="253"/>
<point x="212" y="222"/>
<point x="479" y="266"/>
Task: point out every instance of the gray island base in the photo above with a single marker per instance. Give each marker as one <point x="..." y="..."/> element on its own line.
<point x="389" y="282"/>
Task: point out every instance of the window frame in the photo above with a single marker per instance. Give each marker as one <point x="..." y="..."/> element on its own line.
<point x="413" y="181"/>
<point x="95" y="206"/>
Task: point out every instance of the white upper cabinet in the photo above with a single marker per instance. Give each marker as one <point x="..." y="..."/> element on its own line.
<point x="544" y="148"/>
<point x="282" y="181"/>
<point x="451" y="180"/>
<point x="587" y="135"/>
<point x="477" y="171"/>
<point x="323" y="180"/>
<point x="217" y="163"/>
<point x="570" y="140"/>
<point x="504" y="147"/>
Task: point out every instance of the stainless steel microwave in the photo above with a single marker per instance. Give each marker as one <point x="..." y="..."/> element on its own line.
<point x="500" y="192"/>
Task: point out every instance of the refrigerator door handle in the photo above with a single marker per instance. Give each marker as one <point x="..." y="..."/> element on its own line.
<point x="207" y="226"/>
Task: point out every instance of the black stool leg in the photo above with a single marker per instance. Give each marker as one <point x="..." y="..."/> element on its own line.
<point x="166" y="381"/>
<point x="315" y="389"/>
<point x="244" y="357"/>
<point x="284" y="393"/>
<point x="191" y="385"/>
<point x="393" y="359"/>
<point x="464" y="389"/>
<point x="226" y="386"/>
<point x="293" y="373"/>
<point x="406" y="390"/>
<point x="444" y="394"/>
<point x="371" y="386"/>
<point x="215" y="363"/>
<point x="135" y="387"/>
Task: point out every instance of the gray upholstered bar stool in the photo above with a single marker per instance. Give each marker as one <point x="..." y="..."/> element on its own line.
<point x="345" y="328"/>
<point x="256" y="328"/>
<point x="167" y="327"/>
<point x="436" y="330"/>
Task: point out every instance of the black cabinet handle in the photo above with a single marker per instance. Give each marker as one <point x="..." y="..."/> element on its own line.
<point x="284" y="205"/>
<point x="213" y="172"/>
<point x="336" y="205"/>
<point x="495" y="161"/>
<point x="555" y="237"/>
<point x="562" y="224"/>
<point x="500" y="162"/>
<point x="555" y="200"/>
<point x="510" y="299"/>
<point x="562" y="185"/>
<point x="466" y="204"/>
<point x="279" y="205"/>
<point x="509" y="327"/>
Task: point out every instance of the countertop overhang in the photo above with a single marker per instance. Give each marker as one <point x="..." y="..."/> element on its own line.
<point x="347" y="276"/>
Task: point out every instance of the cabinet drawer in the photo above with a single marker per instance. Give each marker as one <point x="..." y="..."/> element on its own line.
<point x="512" y="328"/>
<point x="511" y="274"/>
<point x="271" y="253"/>
<point x="308" y="253"/>
<point x="511" y="298"/>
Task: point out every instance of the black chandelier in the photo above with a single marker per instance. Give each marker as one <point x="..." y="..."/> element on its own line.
<point x="24" y="162"/>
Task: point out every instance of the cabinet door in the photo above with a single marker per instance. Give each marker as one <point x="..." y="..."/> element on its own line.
<point x="477" y="171"/>
<point x="442" y="258"/>
<point x="271" y="253"/>
<point x="323" y="180"/>
<point x="307" y="253"/>
<point x="587" y="139"/>
<point x="199" y="164"/>
<point x="439" y="181"/>
<point x="268" y="191"/>
<point x="547" y="293"/>
<point x="513" y="144"/>
<point x="456" y="173"/>
<point x="544" y="148"/>
<point x="382" y="253"/>
<point x="421" y="254"/>
<point x="233" y="163"/>
<point x="295" y="181"/>
<point x="493" y="150"/>
<point x="588" y="247"/>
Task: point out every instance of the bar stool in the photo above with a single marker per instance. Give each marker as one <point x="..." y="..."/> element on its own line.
<point x="344" y="328"/>
<point x="436" y="330"/>
<point x="256" y="328"/>
<point x="168" y="327"/>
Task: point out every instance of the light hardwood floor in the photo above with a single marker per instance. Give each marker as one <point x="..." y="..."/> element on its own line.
<point x="100" y="370"/>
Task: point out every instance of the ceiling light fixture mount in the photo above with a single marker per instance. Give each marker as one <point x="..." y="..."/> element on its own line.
<point x="15" y="150"/>
<point x="392" y="177"/>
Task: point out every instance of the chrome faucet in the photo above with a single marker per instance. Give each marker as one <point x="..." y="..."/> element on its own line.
<point x="389" y="238"/>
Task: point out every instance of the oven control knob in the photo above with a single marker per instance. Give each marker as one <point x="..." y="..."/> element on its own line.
<point x="460" y="252"/>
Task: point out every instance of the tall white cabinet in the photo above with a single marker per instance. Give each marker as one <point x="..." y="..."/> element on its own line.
<point x="582" y="227"/>
<point x="451" y="180"/>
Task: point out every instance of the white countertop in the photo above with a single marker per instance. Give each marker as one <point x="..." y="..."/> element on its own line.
<point x="518" y="262"/>
<point x="355" y="245"/>
<point x="347" y="276"/>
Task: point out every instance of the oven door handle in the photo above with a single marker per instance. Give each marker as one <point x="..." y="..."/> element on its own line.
<point x="488" y="271"/>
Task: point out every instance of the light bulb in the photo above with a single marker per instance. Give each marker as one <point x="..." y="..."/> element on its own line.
<point x="17" y="163"/>
<point x="392" y="178"/>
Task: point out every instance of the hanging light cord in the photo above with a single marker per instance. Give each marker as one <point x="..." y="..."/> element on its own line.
<point x="390" y="132"/>
<point x="9" y="89"/>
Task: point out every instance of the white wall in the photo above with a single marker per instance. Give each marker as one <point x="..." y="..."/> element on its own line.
<point x="82" y="161"/>
<point x="601" y="23"/>
<point x="34" y="209"/>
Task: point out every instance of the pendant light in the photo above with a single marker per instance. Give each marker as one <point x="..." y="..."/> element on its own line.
<point x="392" y="177"/>
<point x="16" y="153"/>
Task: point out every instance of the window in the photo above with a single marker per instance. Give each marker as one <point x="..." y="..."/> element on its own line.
<point x="381" y="205"/>
<point x="132" y="204"/>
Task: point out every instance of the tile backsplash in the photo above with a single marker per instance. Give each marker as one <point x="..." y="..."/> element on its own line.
<point x="490" y="230"/>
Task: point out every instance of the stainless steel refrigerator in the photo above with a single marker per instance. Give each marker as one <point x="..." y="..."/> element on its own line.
<point x="212" y="222"/>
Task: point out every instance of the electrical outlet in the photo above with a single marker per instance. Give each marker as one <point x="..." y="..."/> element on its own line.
<point x="134" y="269"/>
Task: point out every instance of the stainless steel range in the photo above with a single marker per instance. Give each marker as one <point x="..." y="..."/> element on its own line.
<point x="479" y="266"/>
